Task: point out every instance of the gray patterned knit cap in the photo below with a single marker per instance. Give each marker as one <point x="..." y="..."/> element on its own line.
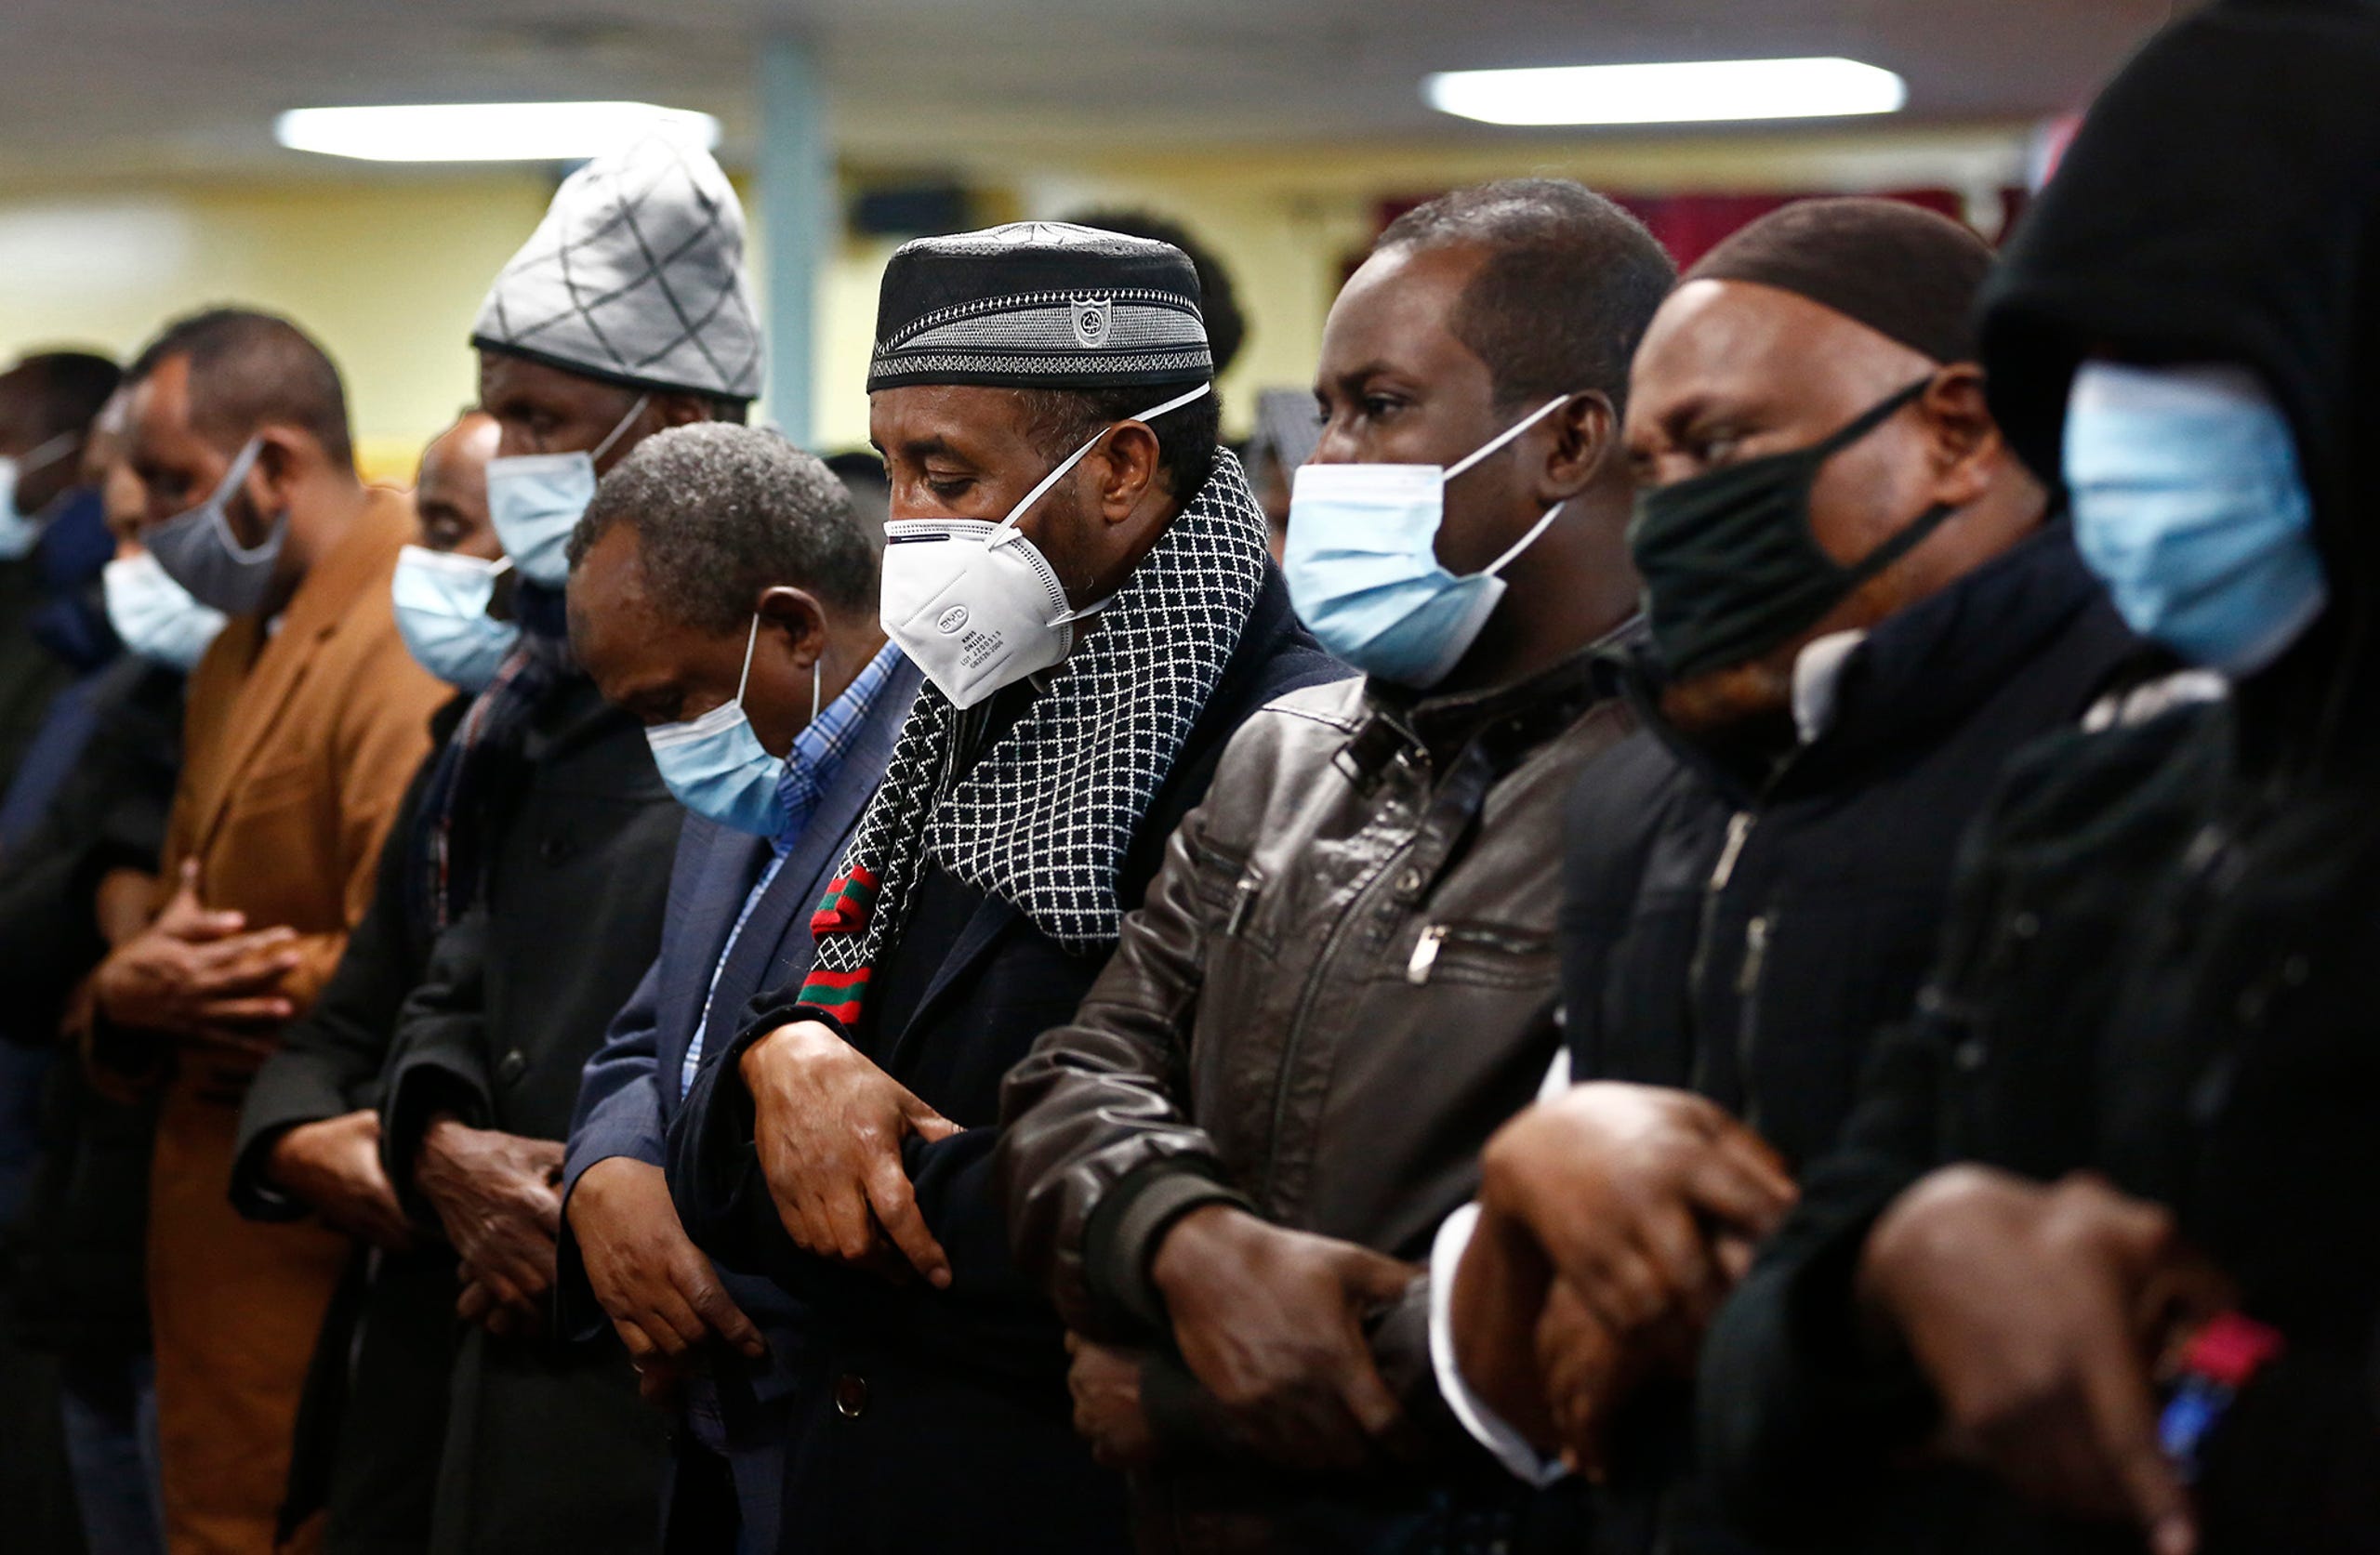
<point x="636" y="277"/>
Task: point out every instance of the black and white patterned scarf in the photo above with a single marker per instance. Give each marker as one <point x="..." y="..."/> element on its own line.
<point x="1043" y="819"/>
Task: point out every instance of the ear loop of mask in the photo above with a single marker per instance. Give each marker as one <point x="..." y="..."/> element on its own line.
<point x="613" y="435"/>
<point x="751" y="640"/>
<point x="1007" y="529"/>
<point x="233" y="479"/>
<point x="725" y="714"/>
<point x="1507" y="435"/>
<point x="1017" y="513"/>
<point x="41" y="455"/>
<point x="1911" y="533"/>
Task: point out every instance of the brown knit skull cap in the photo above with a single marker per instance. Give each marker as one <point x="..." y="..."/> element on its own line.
<point x="1904" y="272"/>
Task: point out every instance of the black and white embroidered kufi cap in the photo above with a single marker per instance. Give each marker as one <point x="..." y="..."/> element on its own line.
<point x="636" y="276"/>
<point x="1040" y="305"/>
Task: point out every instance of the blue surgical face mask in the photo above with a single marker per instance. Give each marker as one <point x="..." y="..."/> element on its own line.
<point x="1362" y="566"/>
<point x="717" y="766"/>
<point x="155" y="615"/>
<point x="535" y="501"/>
<point x="441" y="601"/>
<point x="19" y="532"/>
<point x="199" y="552"/>
<point x="2188" y="501"/>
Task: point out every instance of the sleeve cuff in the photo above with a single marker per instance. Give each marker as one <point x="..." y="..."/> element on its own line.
<point x="1523" y="1461"/>
<point x="416" y="1095"/>
<point x="1557" y="1076"/>
<point x="579" y="1317"/>
<point x="289" y="1091"/>
<point x="580" y="1154"/>
<point x="1122" y="1239"/>
<point x="761" y="1019"/>
<point x="253" y="1193"/>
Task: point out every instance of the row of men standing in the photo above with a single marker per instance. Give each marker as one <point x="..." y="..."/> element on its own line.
<point x="1072" y="980"/>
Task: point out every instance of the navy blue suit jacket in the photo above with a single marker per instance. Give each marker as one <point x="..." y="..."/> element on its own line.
<point x="629" y="1091"/>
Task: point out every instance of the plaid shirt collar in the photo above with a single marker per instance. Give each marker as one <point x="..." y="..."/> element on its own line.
<point x="819" y="749"/>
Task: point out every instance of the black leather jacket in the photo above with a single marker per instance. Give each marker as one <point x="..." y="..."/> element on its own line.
<point x="1341" y="983"/>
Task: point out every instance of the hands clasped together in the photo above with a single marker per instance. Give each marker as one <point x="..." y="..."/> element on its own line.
<point x="201" y="975"/>
<point x="1613" y="1220"/>
<point x="498" y="1198"/>
<point x="2041" y="1315"/>
<point x="664" y="1298"/>
<point x="1271" y="1326"/>
<point x="829" y="1126"/>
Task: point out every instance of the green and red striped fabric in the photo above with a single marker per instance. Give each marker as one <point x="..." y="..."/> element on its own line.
<point x="844" y="910"/>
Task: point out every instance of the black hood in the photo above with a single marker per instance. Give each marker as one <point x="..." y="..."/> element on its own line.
<point x="2218" y="204"/>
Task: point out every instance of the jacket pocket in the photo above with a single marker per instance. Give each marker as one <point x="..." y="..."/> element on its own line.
<point x="1483" y="954"/>
<point x="1215" y="870"/>
<point x="1231" y="888"/>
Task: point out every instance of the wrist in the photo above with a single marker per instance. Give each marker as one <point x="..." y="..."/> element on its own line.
<point x="1515" y="1164"/>
<point x="285" y="1155"/>
<point x="1497" y="1299"/>
<point x="1197" y="1244"/>
<point x="604" y="1183"/>
<point x="107" y="983"/>
<point x="440" y="1137"/>
<point x="783" y="1045"/>
<point x="1906" y="1236"/>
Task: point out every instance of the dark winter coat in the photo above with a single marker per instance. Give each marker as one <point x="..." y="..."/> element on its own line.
<point x="546" y="1443"/>
<point x="925" y="1418"/>
<point x="2162" y="957"/>
<point x="1747" y="943"/>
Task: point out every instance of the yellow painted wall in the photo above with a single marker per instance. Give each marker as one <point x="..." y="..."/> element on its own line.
<point x="386" y="275"/>
<point x="387" y="272"/>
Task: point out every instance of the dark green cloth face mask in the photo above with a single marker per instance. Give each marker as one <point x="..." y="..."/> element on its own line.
<point x="1731" y="567"/>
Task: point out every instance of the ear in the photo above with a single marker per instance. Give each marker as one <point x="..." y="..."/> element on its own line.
<point x="1966" y="445"/>
<point x="1585" y="435"/>
<point x="679" y="410"/>
<point x="797" y="617"/>
<point x="283" y="454"/>
<point x="1125" y="466"/>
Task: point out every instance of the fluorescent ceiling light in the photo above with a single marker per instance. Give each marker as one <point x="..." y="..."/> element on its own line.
<point x="485" y="131"/>
<point x="1668" y="94"/>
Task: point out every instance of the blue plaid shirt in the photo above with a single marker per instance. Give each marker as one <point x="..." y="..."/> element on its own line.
<point x="817" y="755"/>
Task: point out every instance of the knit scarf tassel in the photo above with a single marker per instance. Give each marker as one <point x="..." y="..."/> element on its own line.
<point x="844" y="910"/>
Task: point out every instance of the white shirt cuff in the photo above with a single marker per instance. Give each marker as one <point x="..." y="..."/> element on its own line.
<point x="1557" y="1076"/>
<point x="1511" y="1449"/>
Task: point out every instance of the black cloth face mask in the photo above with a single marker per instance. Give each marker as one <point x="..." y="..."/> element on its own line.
<point x="1731" y="566"/>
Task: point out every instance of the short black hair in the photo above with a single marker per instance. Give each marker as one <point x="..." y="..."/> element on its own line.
<point x="1219" y="299"/>
<point x="1058" y="421"/>
<point x="63" y="390"/>
<point x="1569" y="283"/>
<point x="247" y="368"/>
<point x="721" y="512"/>
<point x="861" y="472"/>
